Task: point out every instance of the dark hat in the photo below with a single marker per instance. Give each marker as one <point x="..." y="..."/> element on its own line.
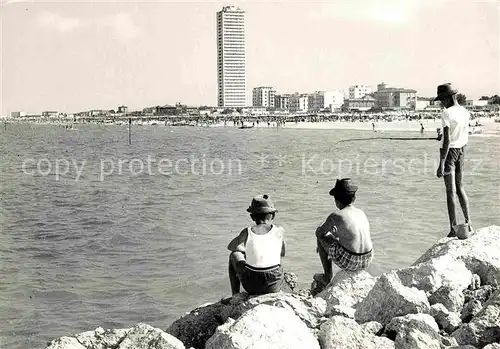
<point x="445" y="90"/>
<point x="261" y="204"/>
<point x="343" y="186"/>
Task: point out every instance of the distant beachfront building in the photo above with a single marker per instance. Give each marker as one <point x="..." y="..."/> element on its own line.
<point x="395" y="97"/>
<point x="299" y="102"/>
<point x="282" y="102"/>
<point x="17" y="114"/>
<point x="364" y="103"/>
<point x="321" y="100"/>
<point x="263" y="96"/>
<point x="50" y="114"/>
<point x="122" y="109"/>
<point x="359" y="91"/>
<point x="231" y="58"/>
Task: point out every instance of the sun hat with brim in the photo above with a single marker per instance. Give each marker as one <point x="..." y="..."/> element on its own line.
<point x="343" y="186"/>
<point x="445" y="90"/>
<point x="261" y="204"/>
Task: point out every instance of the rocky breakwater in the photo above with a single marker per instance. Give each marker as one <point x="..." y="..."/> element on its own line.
<point x="448" y="298"/>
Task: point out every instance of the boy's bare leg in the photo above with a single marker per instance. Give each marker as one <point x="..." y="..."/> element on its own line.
<point x="449" y="182"/>
<point x="236" y="260"/>
<point x="462" y="197"/>
<point x="323" y="256"/>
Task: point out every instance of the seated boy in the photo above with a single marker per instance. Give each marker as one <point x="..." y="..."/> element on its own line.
<point x="345" y="236"/>
<point x="255" y="259"/>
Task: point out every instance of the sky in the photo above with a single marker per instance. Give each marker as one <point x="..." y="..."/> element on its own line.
<point x="72" y="56"/>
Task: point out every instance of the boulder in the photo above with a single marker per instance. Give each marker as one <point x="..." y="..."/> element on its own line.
<point x="479" y="253"/>
<point x="341" y="332"/>
<point x="373" y="327"/>
<point x="471" y="309"/>
<point x="264" y="327"/>
<point x="65" y="343"/>
<point x="452" y="298"/>
<point x="449" y="322"/>
<point x="482" y="294"/>
<point x="414" y="331"/>
<point x="339" y="310"/>
<point x="141" y="336"/>
<point x="196" y="327"/>
<point x="484" y="328"/>
<point x="424" y="322"/>
<point x="347" y="289"/>
<point x="388" y="299"/>
<point x="432" y="274"/>
<point x="102" y="339"/>
<point x="447" y="342"/>
<point x="144" y="336"/>
<point x="492" y="346"/>
<point x="308" y="309"/>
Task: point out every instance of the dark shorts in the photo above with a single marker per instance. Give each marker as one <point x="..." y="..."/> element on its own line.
<point x="454" y="161"/>
<point x="346" y="259"/>
<point x="261" y="280"/>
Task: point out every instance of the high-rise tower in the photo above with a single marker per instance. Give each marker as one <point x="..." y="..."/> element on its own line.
<point x="231" y="58"/>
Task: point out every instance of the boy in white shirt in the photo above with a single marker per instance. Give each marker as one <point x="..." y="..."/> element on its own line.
<point x="455" y="122"/>
<point x="255" y="259"/>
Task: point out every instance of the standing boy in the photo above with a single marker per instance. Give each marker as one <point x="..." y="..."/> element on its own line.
<point x="455" y="122"/>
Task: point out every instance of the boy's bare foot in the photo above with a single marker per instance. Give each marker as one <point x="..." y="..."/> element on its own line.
<point x="452" y="234"/>
<point x="321" y="279"/>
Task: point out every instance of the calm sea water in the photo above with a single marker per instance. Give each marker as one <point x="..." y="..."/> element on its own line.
<point x="119" y="246"/>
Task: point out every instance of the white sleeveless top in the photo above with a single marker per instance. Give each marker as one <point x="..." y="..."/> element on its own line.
<point x="263" y="251"/>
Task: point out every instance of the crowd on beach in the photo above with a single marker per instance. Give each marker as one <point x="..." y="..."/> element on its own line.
<point x="283" y="120"/>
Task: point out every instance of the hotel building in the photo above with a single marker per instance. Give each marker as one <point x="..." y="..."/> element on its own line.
<point x="263" y="97"/>
<point x="395" y="97"/>
<point x="359" y="91"/>
<point x="321" y="100"/>
<point x="231" y="58"/>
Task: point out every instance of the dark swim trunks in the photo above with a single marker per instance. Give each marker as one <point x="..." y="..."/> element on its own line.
<point x="262" y="280"/>
<point x="345" y="259"/>
<point x="454" y="160"/>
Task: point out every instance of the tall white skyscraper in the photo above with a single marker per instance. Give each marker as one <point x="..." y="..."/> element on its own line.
<point x="231" y="58"/>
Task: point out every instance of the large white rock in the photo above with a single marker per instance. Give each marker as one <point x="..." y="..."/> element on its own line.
<point x="144" y="336"/>
<point x="389" y="298"/>
<point x="372" y="327"/>
<point x="419" y="321"/>
<point x="101" y="338"/>
<point x="480" y="253"/>
<point x="264" y="327"/>
<point x="194" y="328"/>
<point x="341" y="332"/>
<point x="308" y="309"/>
<point x="492" y="346"/>
<point x="437" y="272"/>
<point x="484" y="328"/>
<point x="65" y="343"/>
<point x="446" y="320"/>
<point x="415" y="331"/>
<point x="451" y="297"/>
<point x="346" y="289"/>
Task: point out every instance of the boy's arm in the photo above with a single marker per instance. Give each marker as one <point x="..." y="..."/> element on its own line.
<point x="238" y="243"/>
<point x="326" y="227"/>
<point x="283" y="248"/>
